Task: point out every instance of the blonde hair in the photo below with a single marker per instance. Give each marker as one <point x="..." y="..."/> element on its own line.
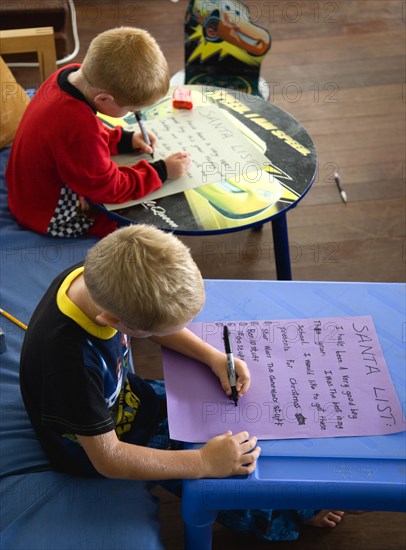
<point x="144" y="277"/>
<point x="127" y="63"/>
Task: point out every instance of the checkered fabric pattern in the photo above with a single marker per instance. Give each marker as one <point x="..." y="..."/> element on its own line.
<point x="69" y="220"/>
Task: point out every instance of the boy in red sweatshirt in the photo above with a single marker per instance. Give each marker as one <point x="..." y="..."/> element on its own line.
<point x="61" y="153"/>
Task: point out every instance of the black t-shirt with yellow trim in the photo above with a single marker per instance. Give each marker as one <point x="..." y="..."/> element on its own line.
<point x="75" y="381"/>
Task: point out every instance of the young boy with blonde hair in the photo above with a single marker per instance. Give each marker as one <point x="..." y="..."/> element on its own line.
<point x="95" y="417"/>
<point x="90" y="413"/>
<point x="61" y="152"/>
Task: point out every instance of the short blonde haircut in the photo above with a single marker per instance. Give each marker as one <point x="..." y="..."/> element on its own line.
<point x="145" y="278"/>
<point x="127" y="63"/>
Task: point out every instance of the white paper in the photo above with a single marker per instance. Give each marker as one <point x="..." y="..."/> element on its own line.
<point x="219" y="151"/>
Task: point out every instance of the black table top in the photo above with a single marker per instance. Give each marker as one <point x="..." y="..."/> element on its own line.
<point x="212" y="208"/>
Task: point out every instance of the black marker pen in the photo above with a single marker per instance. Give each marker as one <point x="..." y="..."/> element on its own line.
<point x="230" y="365"/>
<point x="144" y="133"/>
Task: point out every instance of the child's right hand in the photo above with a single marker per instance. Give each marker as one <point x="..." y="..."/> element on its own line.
<point x="177" y="165"/>
<point x="228" y="455"/>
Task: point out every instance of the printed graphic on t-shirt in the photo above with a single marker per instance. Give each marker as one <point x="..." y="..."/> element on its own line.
<point x="127" y="408"/>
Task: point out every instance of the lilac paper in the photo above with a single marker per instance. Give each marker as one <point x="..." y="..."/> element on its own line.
<point x="309" y="378"/>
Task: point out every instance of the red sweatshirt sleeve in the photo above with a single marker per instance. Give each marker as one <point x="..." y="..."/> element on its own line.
<point x="114" y="137"/>
<point x="86" y="167"/>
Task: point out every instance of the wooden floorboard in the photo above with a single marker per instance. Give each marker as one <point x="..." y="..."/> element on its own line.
<point x="339" y="68"/>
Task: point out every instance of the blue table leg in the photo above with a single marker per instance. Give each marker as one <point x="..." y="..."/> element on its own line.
<point x="281" y="247"/>
<point x="198" y="538"/>
<point x="198" y="518"/>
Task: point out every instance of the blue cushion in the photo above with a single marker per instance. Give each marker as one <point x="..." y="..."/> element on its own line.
<point x="40" y="508"/>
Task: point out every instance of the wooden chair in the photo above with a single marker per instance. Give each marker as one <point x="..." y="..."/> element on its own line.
<point x="39" y="40"/>
<point x="13" y="97"/>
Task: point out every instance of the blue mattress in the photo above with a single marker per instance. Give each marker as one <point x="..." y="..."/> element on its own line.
<point x="40" y="508"/>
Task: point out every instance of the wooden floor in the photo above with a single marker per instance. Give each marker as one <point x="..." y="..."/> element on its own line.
<point x="339" y="68"/>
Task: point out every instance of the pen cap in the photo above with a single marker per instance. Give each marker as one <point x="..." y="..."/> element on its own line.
<point x="226" y="337"/>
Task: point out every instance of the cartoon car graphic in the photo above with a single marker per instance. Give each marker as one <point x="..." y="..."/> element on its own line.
<point x="230" y="21"/>
<point x="229" y="203"/>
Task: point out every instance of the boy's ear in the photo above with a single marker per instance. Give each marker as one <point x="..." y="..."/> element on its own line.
<point x="102" y="98"/>
<point x="106" y="319"/>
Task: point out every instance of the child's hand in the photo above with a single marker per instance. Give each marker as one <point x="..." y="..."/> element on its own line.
<point x="227" y="455"/>
<point x="139" y="143"/>
<point x="177" y="165"/>
<point x="219" y="367"/>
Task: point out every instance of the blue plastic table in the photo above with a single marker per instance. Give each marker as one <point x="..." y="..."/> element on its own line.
<point x="367" y="473"/>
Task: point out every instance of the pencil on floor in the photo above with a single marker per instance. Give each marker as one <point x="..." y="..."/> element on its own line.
<point x="13" y="319"/>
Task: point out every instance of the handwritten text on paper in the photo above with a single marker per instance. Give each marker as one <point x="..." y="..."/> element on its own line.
<point x="310" y="378"/>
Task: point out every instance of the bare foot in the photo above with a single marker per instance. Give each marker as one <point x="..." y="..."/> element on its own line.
<point x="326" y="518"/>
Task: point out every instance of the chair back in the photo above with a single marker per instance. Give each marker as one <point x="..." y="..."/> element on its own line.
<point x="223" y="45"/>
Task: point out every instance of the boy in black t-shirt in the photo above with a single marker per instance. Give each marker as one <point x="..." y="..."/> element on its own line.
<point x="83" y="403"/>
<point x="94" y="417"/>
